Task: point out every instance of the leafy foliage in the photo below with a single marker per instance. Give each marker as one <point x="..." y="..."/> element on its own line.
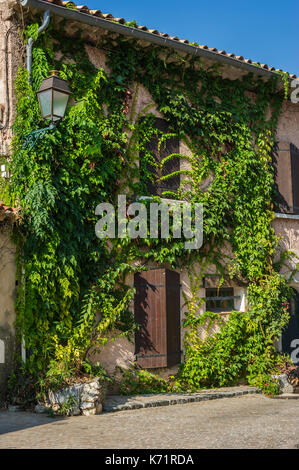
<point x="244" y="345"/>
<point x="73" y="288"/>
<point x="137" y="381"/>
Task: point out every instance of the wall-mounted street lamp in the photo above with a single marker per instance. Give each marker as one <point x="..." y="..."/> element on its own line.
<point x="53" y="96"/>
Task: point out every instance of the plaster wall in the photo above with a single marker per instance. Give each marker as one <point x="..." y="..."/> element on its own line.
<point x="11" y="56"/>
<point x="11" y="53"/>
<point x="287" y="227"/>
<point x="7" y="309"/>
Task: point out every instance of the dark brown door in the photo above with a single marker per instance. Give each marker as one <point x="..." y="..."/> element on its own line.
<point x="173" y="318"/>
<point x="291" y="331"/>
<point x="157" y="311"/>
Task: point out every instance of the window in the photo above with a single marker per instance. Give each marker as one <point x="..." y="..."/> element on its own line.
<point x="220" y="300"/>
<point x="286" y="163"/>
<point x="156" y="187"/>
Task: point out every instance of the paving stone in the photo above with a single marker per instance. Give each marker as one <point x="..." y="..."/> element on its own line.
<point x="249" y="421"/>
<point x="14" y="408"/>
<point x="122" y="403"/>
<point x="287" y="396"/>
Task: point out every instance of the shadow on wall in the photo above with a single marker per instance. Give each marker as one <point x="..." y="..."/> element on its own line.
<point x="7" y="351"/>
<point x="7" y="306"/>
<point x="143" y="342"/>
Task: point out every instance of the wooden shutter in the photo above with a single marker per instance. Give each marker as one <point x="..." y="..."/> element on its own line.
<point x="295" y="177"/>
<point x="157" y="187"/>
<point x="157" y="310"/>
<point x="173" y="318"/>
<point x="291" y="331"/>
<point x="283" y="178"/>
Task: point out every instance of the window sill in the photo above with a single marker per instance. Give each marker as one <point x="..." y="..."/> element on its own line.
<point x="223" y="313"/>
<point x="226" y="313"/>
<point x="162" y="199"/>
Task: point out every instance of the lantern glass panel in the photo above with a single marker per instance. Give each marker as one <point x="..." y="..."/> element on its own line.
<point x="60" y="101"/>
<point x="45" y="99"/>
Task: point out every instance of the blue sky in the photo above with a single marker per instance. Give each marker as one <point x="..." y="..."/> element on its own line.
<point x="264" y="31"/>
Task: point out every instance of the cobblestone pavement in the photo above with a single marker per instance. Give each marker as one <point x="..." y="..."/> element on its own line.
<point x="250" y="421"/>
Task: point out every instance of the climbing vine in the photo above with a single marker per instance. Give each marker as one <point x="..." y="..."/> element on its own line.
<point x="72" y="285"/>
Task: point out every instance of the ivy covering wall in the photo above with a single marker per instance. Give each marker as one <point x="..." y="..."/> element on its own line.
<point x="72" y="287"/>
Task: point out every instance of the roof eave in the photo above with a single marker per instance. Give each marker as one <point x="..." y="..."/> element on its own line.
<point x="74" y="15"/>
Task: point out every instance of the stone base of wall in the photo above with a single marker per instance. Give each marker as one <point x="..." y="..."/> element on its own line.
<point x="80" y="399"/>
<point x="284" y="386"/>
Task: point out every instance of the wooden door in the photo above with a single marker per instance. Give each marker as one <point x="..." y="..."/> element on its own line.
<point x="173" y="318"/>
<point x="291" y="332"/>
<point x="157" y="311"/>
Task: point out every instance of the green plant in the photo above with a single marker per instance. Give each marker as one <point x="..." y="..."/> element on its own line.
<point x="137" y="381"/>
<point x="244" y="345"/>
<point x="67" y="407"/>
<point x="72" y="286"/>
<point x="267" y="384"/>
<point x="286" y="82"/>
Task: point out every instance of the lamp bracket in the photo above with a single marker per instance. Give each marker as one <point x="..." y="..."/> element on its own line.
<point x="29" y="140"/>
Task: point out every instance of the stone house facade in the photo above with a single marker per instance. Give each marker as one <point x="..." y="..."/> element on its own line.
<point x="8" y="344"/>
<point x="94" y="24"/>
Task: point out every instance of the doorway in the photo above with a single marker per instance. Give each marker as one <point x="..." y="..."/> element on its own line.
<point x="291" y="332"/>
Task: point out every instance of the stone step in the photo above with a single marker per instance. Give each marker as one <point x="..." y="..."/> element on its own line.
<point x="121" y="403"/>
<point x="287" y="396"/>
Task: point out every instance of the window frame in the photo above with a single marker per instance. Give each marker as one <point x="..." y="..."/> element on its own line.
<point x="220" y="298"/>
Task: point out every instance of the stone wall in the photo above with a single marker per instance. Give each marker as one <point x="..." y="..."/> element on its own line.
<point x="118" y="352"/>
<point x="286" y="226"/>
<point x="7" y="310"/>
<point x="11" y="54"/>
<point x="83" y="398"/>
<point x="121" y="352"/>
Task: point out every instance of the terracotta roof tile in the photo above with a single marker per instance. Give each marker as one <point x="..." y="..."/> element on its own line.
<point x="83" y="9"/>
<point x="57" y="2"/>
<point x="110" y="17"/>
<point x="8" y="213"/>
<point x="120" y="20"/>
<point x="97" y="13"/>
<point x="7" y="208"/>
